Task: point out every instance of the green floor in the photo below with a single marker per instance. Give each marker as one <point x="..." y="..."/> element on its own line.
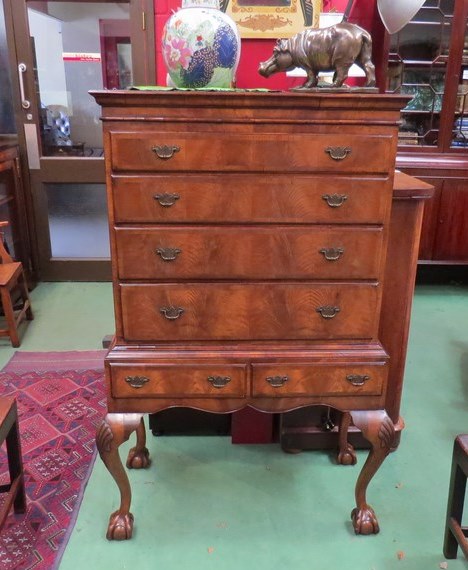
<point x="206" y="503"/>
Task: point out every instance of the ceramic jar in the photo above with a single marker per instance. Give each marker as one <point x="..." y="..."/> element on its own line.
<point x="201" y="46"/>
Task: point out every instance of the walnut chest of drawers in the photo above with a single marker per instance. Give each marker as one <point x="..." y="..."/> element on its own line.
<point x="249" y="237"/>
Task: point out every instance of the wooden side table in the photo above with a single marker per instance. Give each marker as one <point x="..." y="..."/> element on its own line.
<point x="9" y="432"/>
<point x="13" y="207"/>
<point x="456" y="535"/>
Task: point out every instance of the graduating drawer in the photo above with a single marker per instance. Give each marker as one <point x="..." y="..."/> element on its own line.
<point x="334" y="379"/>
<point x="273" y="152"/>
<point x="271" y="252"/>
<point x="256" y="311"/>
<point x="179" y="380"/>
<point x="238" y="198"/>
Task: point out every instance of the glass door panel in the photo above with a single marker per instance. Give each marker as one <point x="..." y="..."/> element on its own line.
<point x="418" y="66"/>
<point x="75" y="45"/>
<point x="78" y="221"/>
<point x="61" y="50"/>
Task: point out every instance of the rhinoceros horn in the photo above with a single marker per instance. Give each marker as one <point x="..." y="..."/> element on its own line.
<point x="396" y="14"/>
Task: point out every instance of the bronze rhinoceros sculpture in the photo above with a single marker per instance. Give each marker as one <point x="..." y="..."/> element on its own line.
<point x="335" y="48"/>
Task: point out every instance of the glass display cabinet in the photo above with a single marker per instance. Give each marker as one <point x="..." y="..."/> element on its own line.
<point x="428" y="59"/>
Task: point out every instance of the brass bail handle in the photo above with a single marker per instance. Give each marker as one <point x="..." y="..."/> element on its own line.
<point x="172" y="313"/>
<point x="338" y="152"/>
<point x="332" y="253"/>
<point x="168" y="253"/>
<point x="357" y="379"/>
<point x="335" y="200"/>
<point x="328" y="311"/>
<point x="219" y="381"/>
<point x="165" y="152"/>
<point x="137" y="381"/>
<point x="277" y="381"/>
<point x="166" y="200"/>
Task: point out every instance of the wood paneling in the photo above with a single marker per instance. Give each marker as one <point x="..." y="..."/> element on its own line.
<point x="451" y="238"/>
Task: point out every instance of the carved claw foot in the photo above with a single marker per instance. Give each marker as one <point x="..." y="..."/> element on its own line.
<point x="111" y="433"/>
<point x="378" y="429"/>
<point x="347" y="456"/>
<point x="138" y="458"/>
<point x="120" y="526"/>
<point x="365" y="521"/>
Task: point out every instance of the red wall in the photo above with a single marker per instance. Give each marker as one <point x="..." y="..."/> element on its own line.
<point x="256" y="50"/>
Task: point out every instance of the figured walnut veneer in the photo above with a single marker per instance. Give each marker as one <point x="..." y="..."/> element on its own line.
<point x="249" y="259"/>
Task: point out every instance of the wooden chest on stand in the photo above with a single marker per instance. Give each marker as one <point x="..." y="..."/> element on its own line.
<point x="249" y="237"/>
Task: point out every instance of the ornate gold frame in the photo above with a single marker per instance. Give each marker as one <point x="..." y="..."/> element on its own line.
<point x="274" y="21"/>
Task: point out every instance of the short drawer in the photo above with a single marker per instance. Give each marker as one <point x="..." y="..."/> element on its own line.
<point x="274" y="152"/>
<point x="238" y="198"/>
<point x="292" y="380"/>
<point x="271" y="252"/>
<point x="255" y="311"/>
<point x="179" y="381"/>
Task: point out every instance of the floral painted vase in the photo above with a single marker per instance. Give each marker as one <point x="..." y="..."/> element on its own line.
<point x="201" y="46"/>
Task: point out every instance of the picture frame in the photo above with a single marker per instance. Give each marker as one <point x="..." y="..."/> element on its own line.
<point x="273" y="18"/>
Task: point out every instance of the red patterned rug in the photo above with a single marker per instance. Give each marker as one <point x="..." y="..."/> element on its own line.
<point x="61" y="399"/>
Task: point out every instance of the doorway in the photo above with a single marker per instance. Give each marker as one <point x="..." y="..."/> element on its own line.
<point x="72" y="47"/>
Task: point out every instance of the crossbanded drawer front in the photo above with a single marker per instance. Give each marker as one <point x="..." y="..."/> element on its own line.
<point x="260" y="311"/>
<point x="252" y="199"/>
<point x="272" y="252"/>
<point x="290" y="380"/>
<point x="179" y="380"/>
<point x="274" y="152"/>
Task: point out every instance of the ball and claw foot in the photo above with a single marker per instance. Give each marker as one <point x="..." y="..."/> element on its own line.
<point x="138" y="458"/>
<point x="365" y="521"/>
<point x="347" y="456"/>
<point x="120" y="526"/>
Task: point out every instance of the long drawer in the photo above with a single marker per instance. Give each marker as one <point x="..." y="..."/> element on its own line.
<point x="283" y="380"/>
<point x="179" y="380"/>
<point x="237" y="198"/>
<point x="295" y="152"/>
<point x="260" y="311"/>
<point x="271" y="252"/>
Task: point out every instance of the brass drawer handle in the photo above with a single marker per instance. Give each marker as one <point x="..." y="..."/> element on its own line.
<point x="335" y="200"/>
<point x="137" y="381"/>
<point x="338" y="152"/>
<point x="171" y="313"/>
<point x="328" y="312"/>
<point x="168" y="253"/>
<point x="165" y="152"/>
<point x="166" y="200"/>
<point x="357" y="379"/>
<point x="332" y="253"/>
<point x="219" y="381"/>
<point x="277" y="381"/>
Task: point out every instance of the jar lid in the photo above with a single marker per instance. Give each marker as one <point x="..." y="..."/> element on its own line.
<point x="200" y="4"/>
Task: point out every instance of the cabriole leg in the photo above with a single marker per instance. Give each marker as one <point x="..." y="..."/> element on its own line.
<point x="379" y="430"/>
<point x="346" y="453"/>
<point x="113" y="431"/>
<point x="138" y="456"/>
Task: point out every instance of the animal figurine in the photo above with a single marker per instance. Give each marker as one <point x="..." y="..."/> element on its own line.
<point x="335" y="48"/>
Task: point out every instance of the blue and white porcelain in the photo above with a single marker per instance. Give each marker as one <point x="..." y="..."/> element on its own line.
<point x="201" y="46"/>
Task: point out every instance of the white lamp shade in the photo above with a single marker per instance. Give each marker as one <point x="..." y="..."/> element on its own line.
<point x="396" y="14"/>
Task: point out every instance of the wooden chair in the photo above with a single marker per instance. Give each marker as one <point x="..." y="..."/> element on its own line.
<point x="12" y="280"/>
<point x="9" y="431"/>
<point x="455" y="533"/>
